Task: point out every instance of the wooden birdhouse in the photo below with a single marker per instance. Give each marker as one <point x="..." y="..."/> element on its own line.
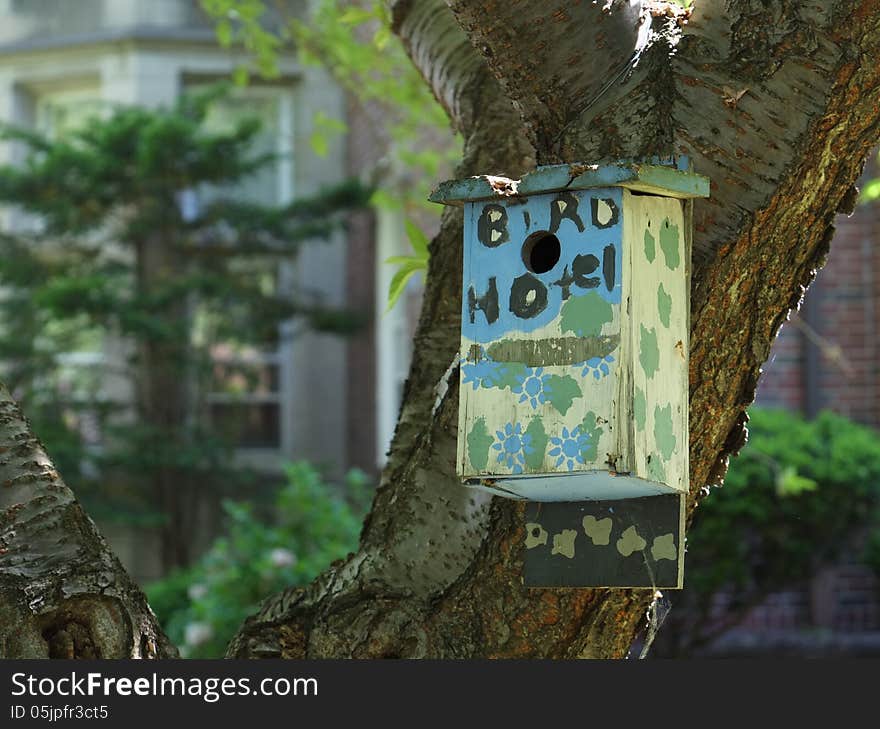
<point x="574" y="361"/>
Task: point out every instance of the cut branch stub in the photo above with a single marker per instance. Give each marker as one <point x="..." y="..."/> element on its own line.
<point x="62" y="592"/>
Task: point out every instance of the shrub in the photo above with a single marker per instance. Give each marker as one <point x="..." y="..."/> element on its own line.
<point x="314" y="523"/>
<point x="799" y="493"/>
<point x="790" y="500"/>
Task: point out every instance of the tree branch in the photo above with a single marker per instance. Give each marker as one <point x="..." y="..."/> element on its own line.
<point x="554" y="60"/>
<point x="62" y="592"/>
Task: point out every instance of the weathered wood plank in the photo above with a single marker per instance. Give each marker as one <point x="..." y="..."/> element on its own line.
<point x="635" y="543"/>
<point x="654" y="233"/>
<point x="655" y="179"/>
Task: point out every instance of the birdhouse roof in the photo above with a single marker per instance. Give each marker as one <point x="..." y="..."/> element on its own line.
<point x="656" y="179"/>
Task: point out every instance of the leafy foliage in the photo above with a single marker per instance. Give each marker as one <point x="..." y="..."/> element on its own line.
<point x="798" y="494"/>
<point x="112" y="254"/>
<point x="354" y="42"/>
<point x="312" y="524"/>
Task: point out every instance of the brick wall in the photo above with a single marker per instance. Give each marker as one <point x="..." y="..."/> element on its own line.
<point x="827" y="355"/>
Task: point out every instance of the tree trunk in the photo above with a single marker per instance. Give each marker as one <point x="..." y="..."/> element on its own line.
<point x="777" y="102"/>
<point x="164" y="398"/>
<point x="771" y="100"/>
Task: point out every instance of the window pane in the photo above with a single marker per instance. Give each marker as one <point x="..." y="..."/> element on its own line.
<point x="251" y="426"/>
<point x="240" y="377"/>
<point x="224" y="115"/>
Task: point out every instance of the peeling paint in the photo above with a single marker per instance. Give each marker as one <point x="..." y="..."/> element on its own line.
<point x="656" y="471"/>
<point x="664" y="432"/>
<point x="640" y="409"/>
<point x="536" y="535"/>
<point x="554" y="351"/>
<point x="650" y="247"/>
<point x="664" y="305"/>
<point x="649" y="353"/>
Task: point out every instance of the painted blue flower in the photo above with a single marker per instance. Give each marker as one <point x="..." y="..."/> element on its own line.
<point x="485" y="373"/>
<point x="534" y="386"/>
<point x="513" y="445"/>
<point x="599" y="366"/>
<point x="569" y="448"/>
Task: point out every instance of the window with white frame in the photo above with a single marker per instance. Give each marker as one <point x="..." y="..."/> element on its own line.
<point x="60" y="112"/>
<point x="248" y="392"/>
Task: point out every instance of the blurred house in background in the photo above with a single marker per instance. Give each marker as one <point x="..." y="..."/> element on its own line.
<point x="331" y="400"/>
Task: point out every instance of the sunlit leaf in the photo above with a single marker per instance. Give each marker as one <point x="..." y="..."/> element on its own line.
<point x="790" y="483"/>
<point x="224" y="33"/>
<point x="871" y="191"/>
<point x="417" y="239"/>
<point x="319" y="143"/>
<point x="409" y="265"/>
<point x="356" y="16"/>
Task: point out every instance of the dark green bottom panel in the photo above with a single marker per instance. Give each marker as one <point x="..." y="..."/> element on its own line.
<point x="622" y="543"/>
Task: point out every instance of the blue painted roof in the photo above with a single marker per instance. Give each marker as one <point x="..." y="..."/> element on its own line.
<point x="656" y="179"/>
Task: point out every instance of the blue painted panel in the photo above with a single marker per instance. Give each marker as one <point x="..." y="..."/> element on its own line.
<point x="495" y="274"/>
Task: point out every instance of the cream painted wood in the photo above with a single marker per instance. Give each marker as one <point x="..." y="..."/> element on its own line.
<point x="639" y="409"/>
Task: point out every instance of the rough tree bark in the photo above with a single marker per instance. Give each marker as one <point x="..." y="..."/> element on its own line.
<point x="777" y="102"/>
<point x="62" y="592"/>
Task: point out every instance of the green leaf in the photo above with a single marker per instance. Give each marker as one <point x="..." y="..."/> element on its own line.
<point x="400" y="279"/>
<point x="403" y="260"/>
<point x="563" y="390"/>
<point x="789" y="483"/>
<point x="241" y="75"/>
<point x="324" y="127"/>
<point x="319" y="143"/>
<point x="356" y="16"/>
<point x="409" y="265"/>
<point x="871" y="191"/>
<point x="417" y="238"/>
<point x="224" y="33"/>
<point x="382" y="37"/>
<point x="386" y="200"/>
<point x="330" y="123"/>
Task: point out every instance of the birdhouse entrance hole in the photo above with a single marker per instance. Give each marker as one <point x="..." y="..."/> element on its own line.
<point x="541" y="252"/>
